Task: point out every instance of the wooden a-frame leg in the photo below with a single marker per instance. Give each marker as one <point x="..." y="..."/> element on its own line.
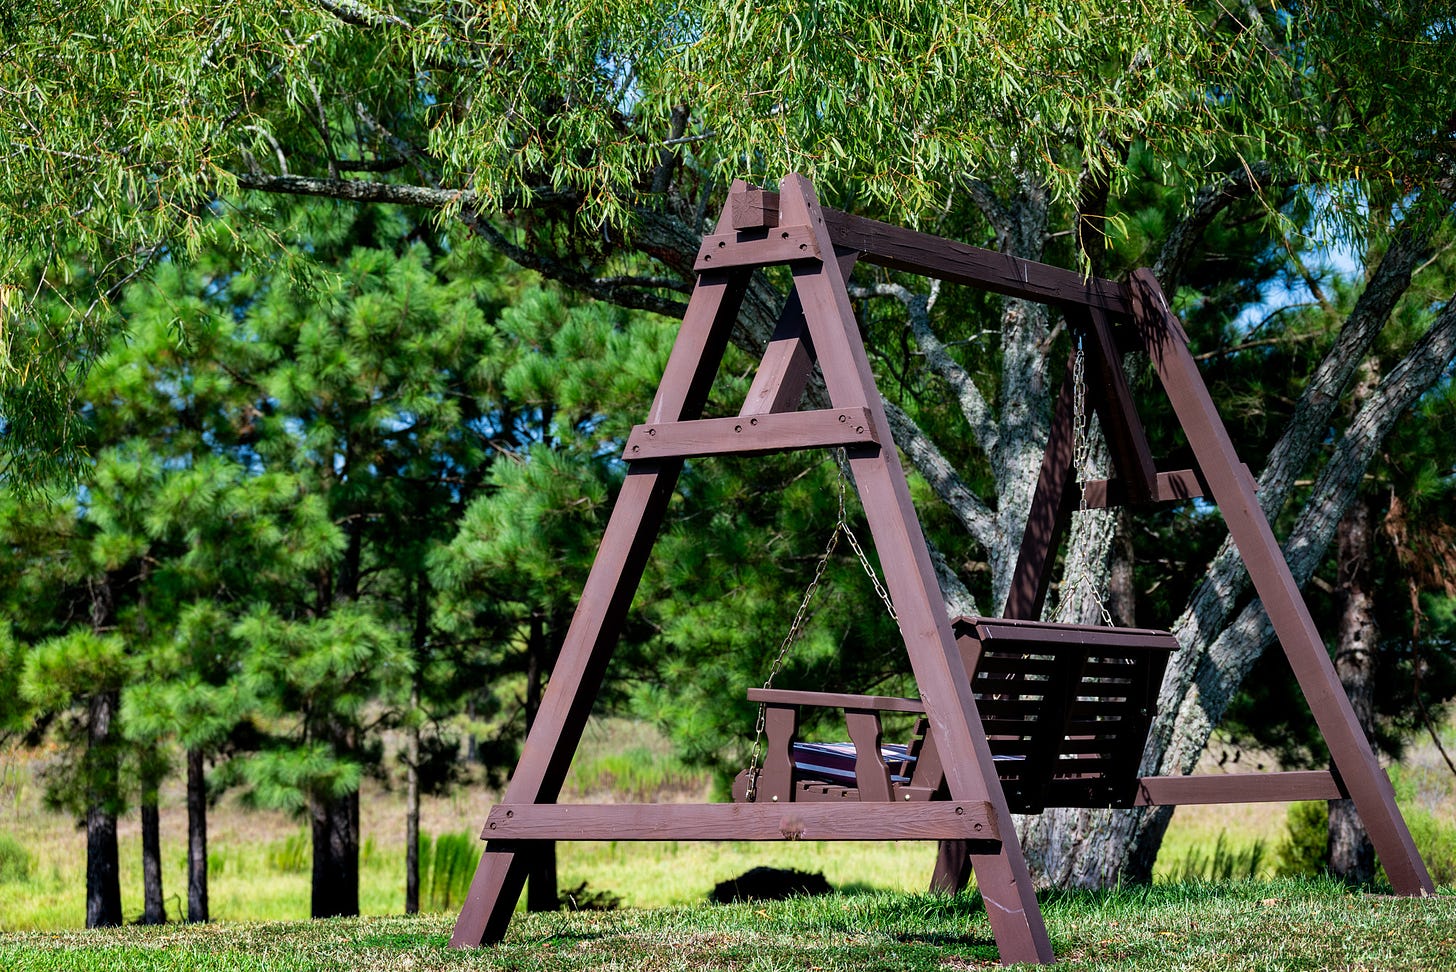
<point x="615" y="574"/>
<point x="1003" y="878"/>
<point x="1046" y="523"/>
<point x="1234" y="495"/>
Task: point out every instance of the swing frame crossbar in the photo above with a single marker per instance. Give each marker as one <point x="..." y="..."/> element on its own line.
<point x="817" y="327"/>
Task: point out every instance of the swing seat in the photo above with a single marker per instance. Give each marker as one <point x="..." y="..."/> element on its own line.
<point x="1065" y="708"/>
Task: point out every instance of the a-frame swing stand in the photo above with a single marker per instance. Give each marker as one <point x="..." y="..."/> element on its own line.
<point x="820" y="246"/>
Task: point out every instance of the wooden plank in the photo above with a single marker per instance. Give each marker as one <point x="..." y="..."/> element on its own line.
<point x="1047" y="520"/>
<point x="754" y="209"/>
<point x="821" y="428"/>
<point x="1057" y="635"/>
<point x="1237" y="502"/>
<point x="784" y="244"/>
<point x="1176" y="486"/>
<point x="610" y="586"/>
<point x="1154" y="791"/>
<point x="932" y="256"/>
<point x="836" y="700"/>
<point x="1003" y="877"/>
<point x="1110" y="397"/>
<point x="909" y="820"/>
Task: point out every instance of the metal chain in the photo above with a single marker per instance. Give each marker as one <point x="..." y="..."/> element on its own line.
<point x="801" y="617"/>
<point x="1083" y="464"/>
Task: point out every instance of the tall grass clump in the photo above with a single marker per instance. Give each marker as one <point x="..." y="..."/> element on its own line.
<point x="1223" y="863"/>
<point x="292" y="855"/>
<point x="446" y="866"/>
<point x="14" y="860"/>
<point x="1305" y="849"/>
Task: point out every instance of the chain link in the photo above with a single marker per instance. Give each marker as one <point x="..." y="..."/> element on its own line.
<point x="1083" y="462"/>
<point x="801" y="616"/>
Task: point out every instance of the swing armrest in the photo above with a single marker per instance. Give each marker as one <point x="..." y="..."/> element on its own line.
<point x="836" y="700"/>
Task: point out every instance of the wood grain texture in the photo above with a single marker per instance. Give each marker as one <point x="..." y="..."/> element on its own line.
<point x="962" y="820"/>
<point x="780" y="432"/>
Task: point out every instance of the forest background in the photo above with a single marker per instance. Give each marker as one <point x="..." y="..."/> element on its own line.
<point x="323" y="325"/>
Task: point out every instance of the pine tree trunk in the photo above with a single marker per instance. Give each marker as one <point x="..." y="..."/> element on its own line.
<point x="1352" y="857"/>
<point x="103" y="870"/>
<point x="154" y="908"/>
<point x="196" y="837"/>
<point x="335" y="856"/>
<point x="412" y="812"/>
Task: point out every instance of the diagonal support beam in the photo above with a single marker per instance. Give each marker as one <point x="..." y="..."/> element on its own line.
<point x="1234" y="495"/>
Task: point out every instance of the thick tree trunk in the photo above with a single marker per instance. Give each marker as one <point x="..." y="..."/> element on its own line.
<point x="103" y="871"/>
<point x="1352" y="856"/>
<point x="196" y="837"/>
<point x="154" y="908"/>
<point x="335" y="856"/>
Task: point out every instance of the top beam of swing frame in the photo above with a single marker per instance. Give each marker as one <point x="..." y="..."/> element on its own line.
<point x="898" y="248"/>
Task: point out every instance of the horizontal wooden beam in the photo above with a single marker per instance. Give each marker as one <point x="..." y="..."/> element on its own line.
<point x="836" y="700"/>
<point x="770" y="432"/>
<point x="746" y="821"/>
<point x="1171" y="487"/>
<point x="781" y="245"/>
<point x="932" y="256"/>
<point x="1154" y="791"/>
<point x="996" y="632"/>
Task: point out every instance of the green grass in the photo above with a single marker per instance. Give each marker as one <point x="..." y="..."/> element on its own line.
<point x="1244" y="925"/>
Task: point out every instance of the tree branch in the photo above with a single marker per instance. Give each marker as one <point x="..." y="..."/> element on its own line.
<point x="1232" y="654"/>
<point x="1213" y="602"/>
<point x="357" y="14"/>
<point x="942" y="477"/>
<point x="972" y="402"/>
<point x="1209" y="201"/>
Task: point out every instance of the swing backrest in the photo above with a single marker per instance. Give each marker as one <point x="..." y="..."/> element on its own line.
<point x="1066" y="707"/>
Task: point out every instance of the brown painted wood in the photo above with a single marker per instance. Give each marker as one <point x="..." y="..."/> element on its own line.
<point x="752" y="209"/>
<point x="836" y="700"/>
<point x="787" y="363"/>
<point x="1111" y="399"/>
<point x="818" y="429"/>
<point x="1234" y="494"/>
<point x="910" y="577"/>
<point x="611" y="584"/>
<point x="850" y="820"/>
<point x="782" y="244"/>
<point x="789" y="359"/>
<point x="932" y="256"/>
<point x="776" y="779"/>
<point x="1172" y="487"/>
<point x="1051" y="510"/>
<point x="1238" y="788"/>
<point x="871" y="775"/>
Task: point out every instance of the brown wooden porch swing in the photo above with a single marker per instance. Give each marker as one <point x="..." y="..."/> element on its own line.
<point x="1017" y="714"/>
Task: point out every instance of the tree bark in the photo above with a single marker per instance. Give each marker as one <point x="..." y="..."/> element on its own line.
<point x="103" y="867"/>
<point x="196" y="837"/>
<point x="1352" y="856"/>
<point x="335" y="856"/>
<point x="154" y="908"/>
<point x="412" y="810"/>
<point x="103" y="871"/>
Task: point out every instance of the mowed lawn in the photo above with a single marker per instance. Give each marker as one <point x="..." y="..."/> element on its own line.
<point x="1241" y="925"/>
